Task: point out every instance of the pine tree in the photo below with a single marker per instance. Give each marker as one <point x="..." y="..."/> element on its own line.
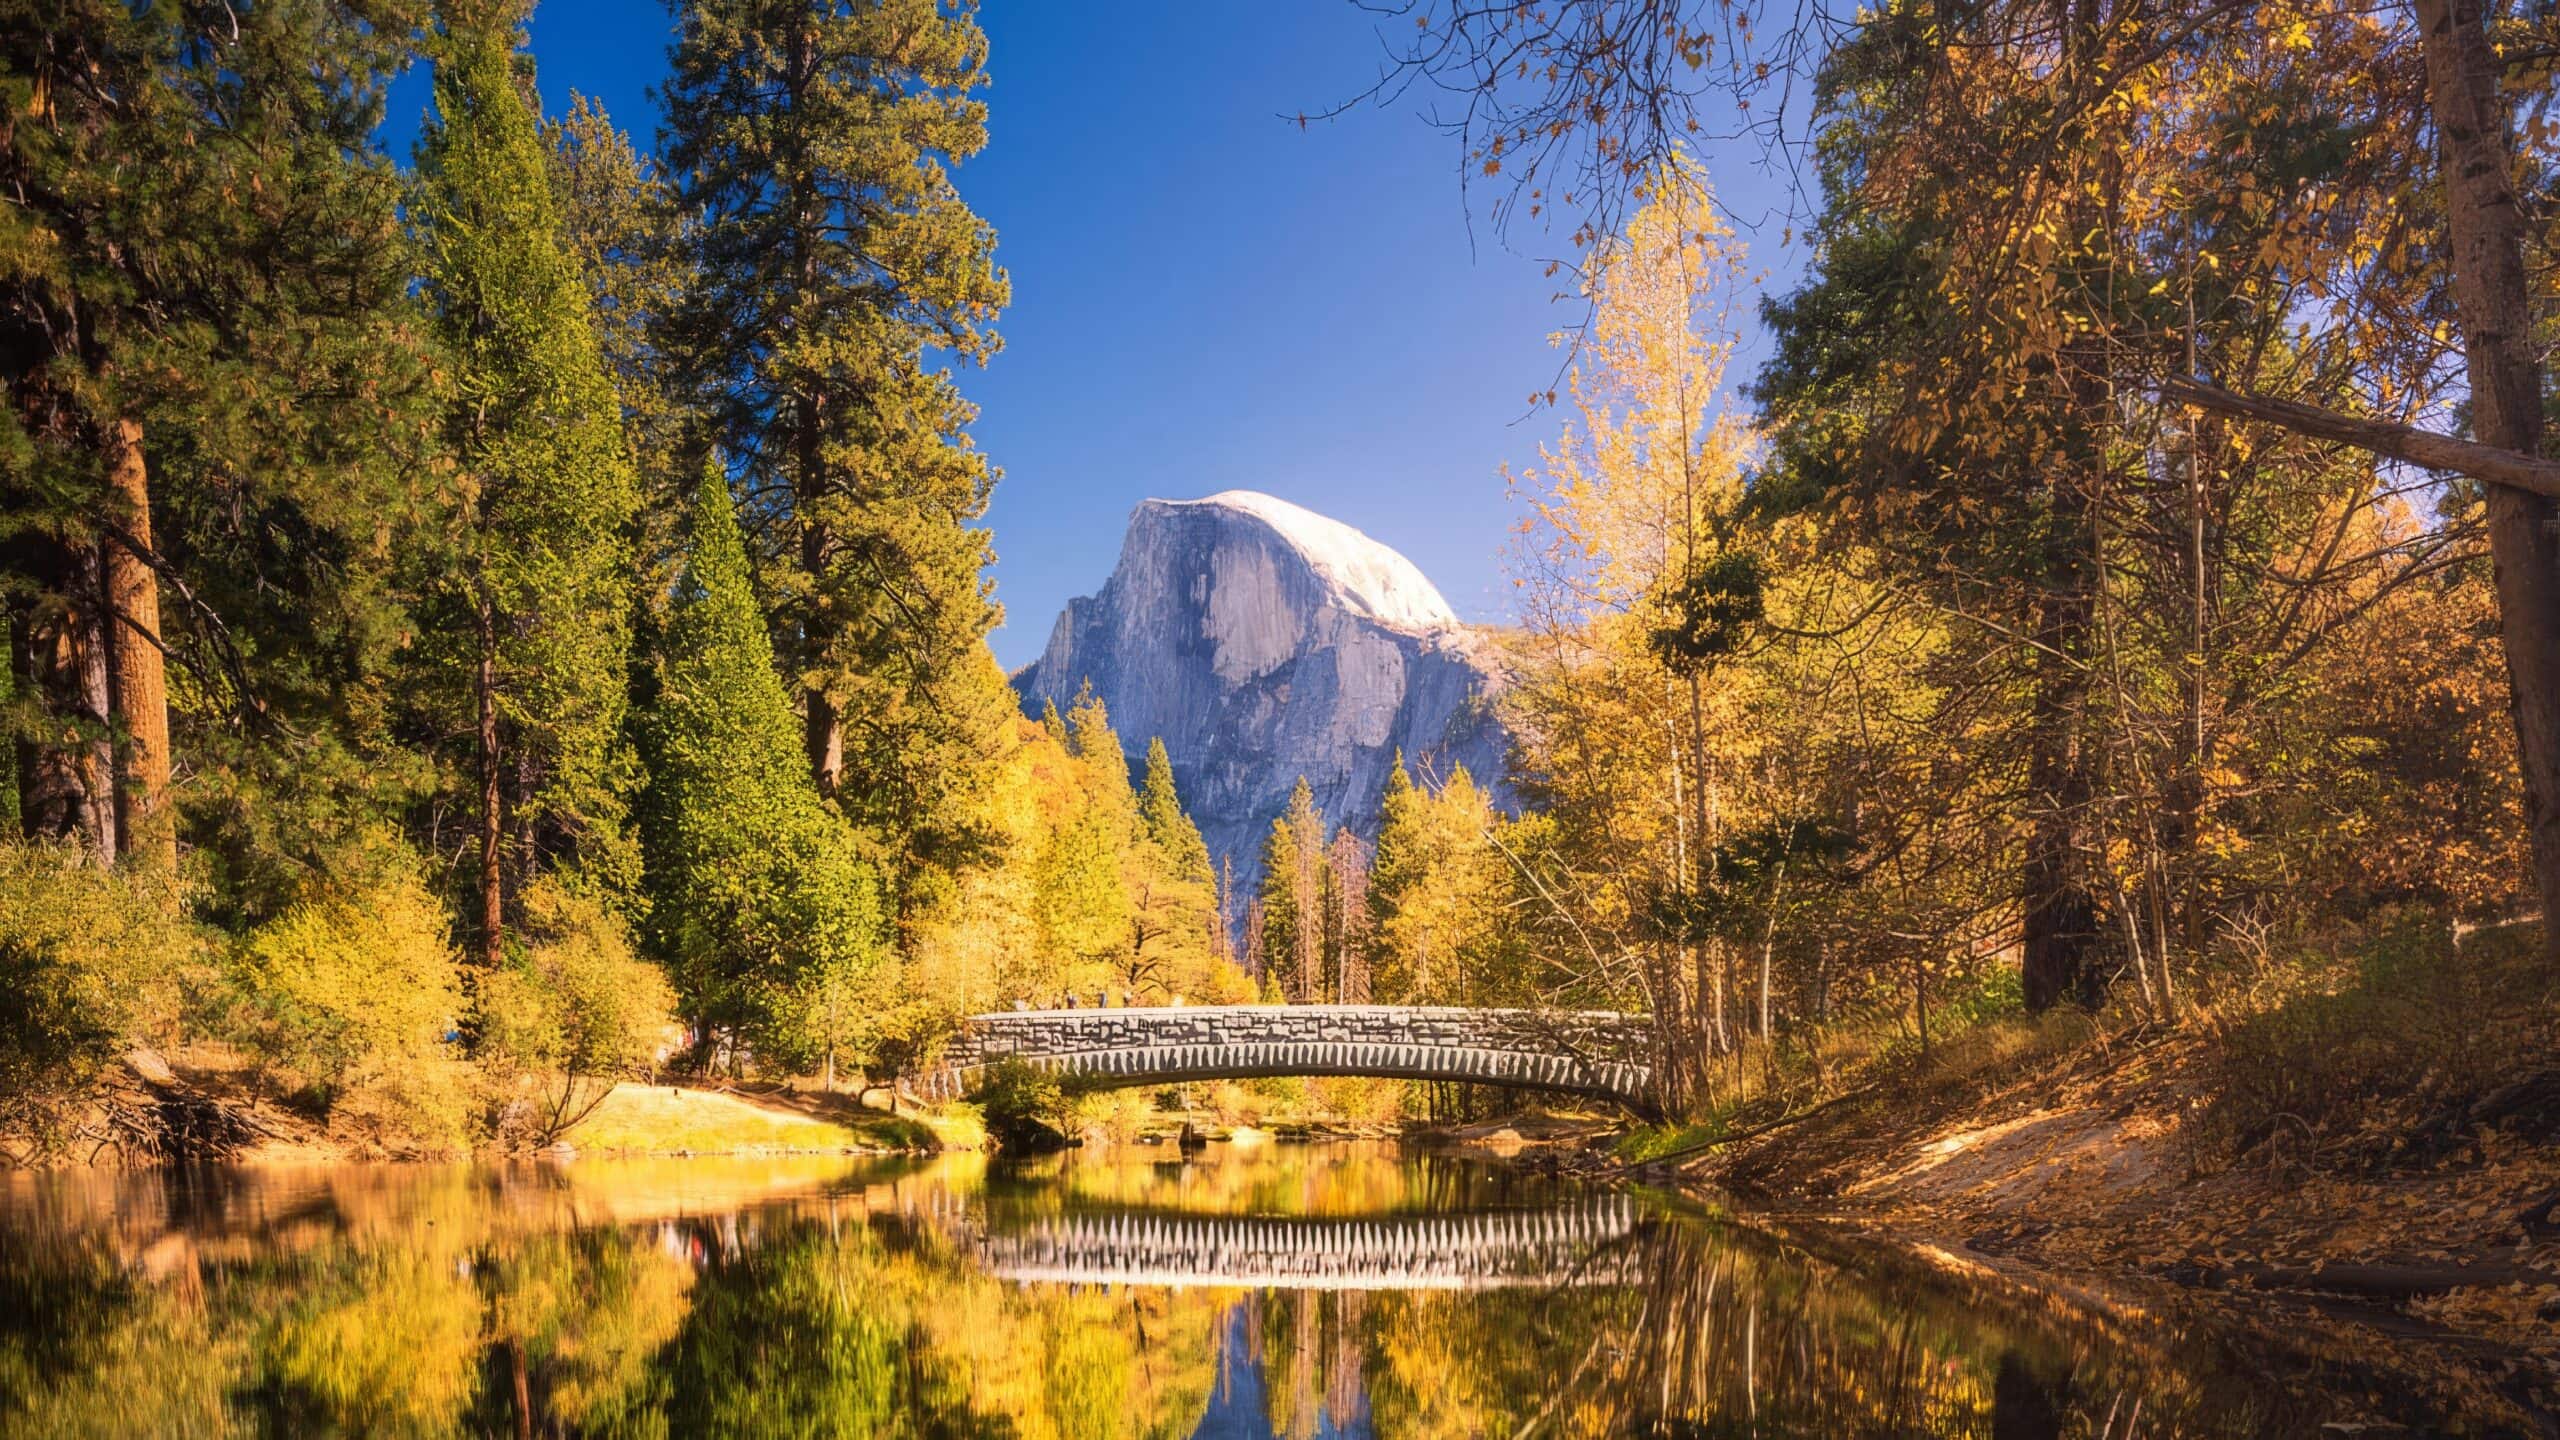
<point x="1160" y="809"/>
<point x="1398" y="863"/>
<point x="761" y="905"/>
<point x="816" y="143"/>
<point x="1276" y="922"/>
<point x="545" y="581"/>
<point x="1092" y="741"/>
<point x="1083" y="900"/>
<point x="622" y="225"/>
<point x="209" y="380"/>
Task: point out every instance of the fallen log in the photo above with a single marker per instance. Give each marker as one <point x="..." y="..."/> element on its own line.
<point x="2379" y="1280"/>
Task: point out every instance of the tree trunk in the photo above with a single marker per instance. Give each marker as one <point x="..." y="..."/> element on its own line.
<point x="1768" y="946"/>
<point x="2492" y="298"/>
<point x="2059" y="919"/>
<point x="492" y="815"/>
<point x="1706" y="821"/>
<point x="66" y="775"/>
<point x="825" y="722"/>
<point x="141" y="686"/>
<point x="2058" y="916"/>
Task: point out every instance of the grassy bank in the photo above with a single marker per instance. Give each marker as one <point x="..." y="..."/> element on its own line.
<point x="670" y="1120"/>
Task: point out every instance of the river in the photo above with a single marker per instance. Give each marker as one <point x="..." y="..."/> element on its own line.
<point x="1263" y="1291"/>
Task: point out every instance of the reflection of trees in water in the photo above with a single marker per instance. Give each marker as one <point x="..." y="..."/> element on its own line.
<point x="413" y="1303"/>
<point x="1727" y="1337"/>
<point x="880" y="1326"/>
<point x="774" y="1322"/>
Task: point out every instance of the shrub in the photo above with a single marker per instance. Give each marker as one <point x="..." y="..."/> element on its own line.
<point x="356" y="981"/>
<point x="92" y="962"/>
<point x="2406" y="1028"/>
<point x="1117" y="1116"/>
<point x="570" y="1012"/>
<point x="1025" y="1107"/>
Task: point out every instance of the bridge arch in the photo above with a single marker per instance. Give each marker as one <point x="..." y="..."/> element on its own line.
<point x="1602" y="1055"/>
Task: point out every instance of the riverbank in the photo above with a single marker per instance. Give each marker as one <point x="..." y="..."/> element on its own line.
<point x="151" y="1111"/>
<point x="2416" y="1216"/>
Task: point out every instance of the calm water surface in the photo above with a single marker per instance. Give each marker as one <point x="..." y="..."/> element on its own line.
<point x="1273" y="1291"/>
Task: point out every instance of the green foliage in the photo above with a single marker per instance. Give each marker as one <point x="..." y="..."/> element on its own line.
<point x="572" y="1010"/>
<point x="805" y="339"/>
<point x="203" y="241"/>
<point x="356" y="980"/>
<point x="1650" y="1142"/>
<point x="1172" y="830"/>
<point x="621" y="225"/>
<point x="764" y="909"/>
<point x="1083" y="907"/>
<point x="350" y="999"/>
<point x="1442" y="896"/>
<point x="1292" y="894"/>
<point x="92" y="962"/>
<point x="1708" y="610"/>
<point x="541" y="597"/>
<point x="1019" y="1100"/>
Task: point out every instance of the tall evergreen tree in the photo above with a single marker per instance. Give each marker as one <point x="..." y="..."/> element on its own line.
<point x="623" y="226"/>
<point x="761" y="904"/>
<point x="1160" y="810"/>
<point x="1398" y="862"/>
<point x="210" y="381"/>
<point x="1274" y="924"/>
<point x="1084" y="908"/>
<point x="542" y="591"/>
<point x="815" y="142"/>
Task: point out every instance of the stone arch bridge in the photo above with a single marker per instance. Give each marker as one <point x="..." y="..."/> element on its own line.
<point x="1599" y="1054"/>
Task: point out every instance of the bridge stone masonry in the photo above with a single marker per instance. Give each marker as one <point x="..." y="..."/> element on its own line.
<point x="1600" y="1054"/>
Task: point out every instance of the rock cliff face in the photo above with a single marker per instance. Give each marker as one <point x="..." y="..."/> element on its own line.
<point x="1264" y="642"/>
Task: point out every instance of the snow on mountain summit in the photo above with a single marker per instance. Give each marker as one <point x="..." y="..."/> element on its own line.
<point x="1366" y="577"/>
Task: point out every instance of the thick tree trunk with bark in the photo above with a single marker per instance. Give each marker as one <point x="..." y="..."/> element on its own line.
<point x="2058" y="913"/>
<point x="141" y="686"/>
<point x="824" y="719"/>
<point x="2491" y="295"/>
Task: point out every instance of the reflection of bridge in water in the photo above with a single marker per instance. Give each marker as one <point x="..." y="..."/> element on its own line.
<point x="1575" y="1244"/>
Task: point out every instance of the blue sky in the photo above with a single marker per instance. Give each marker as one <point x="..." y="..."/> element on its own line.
<point x="1207" y="297"/>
